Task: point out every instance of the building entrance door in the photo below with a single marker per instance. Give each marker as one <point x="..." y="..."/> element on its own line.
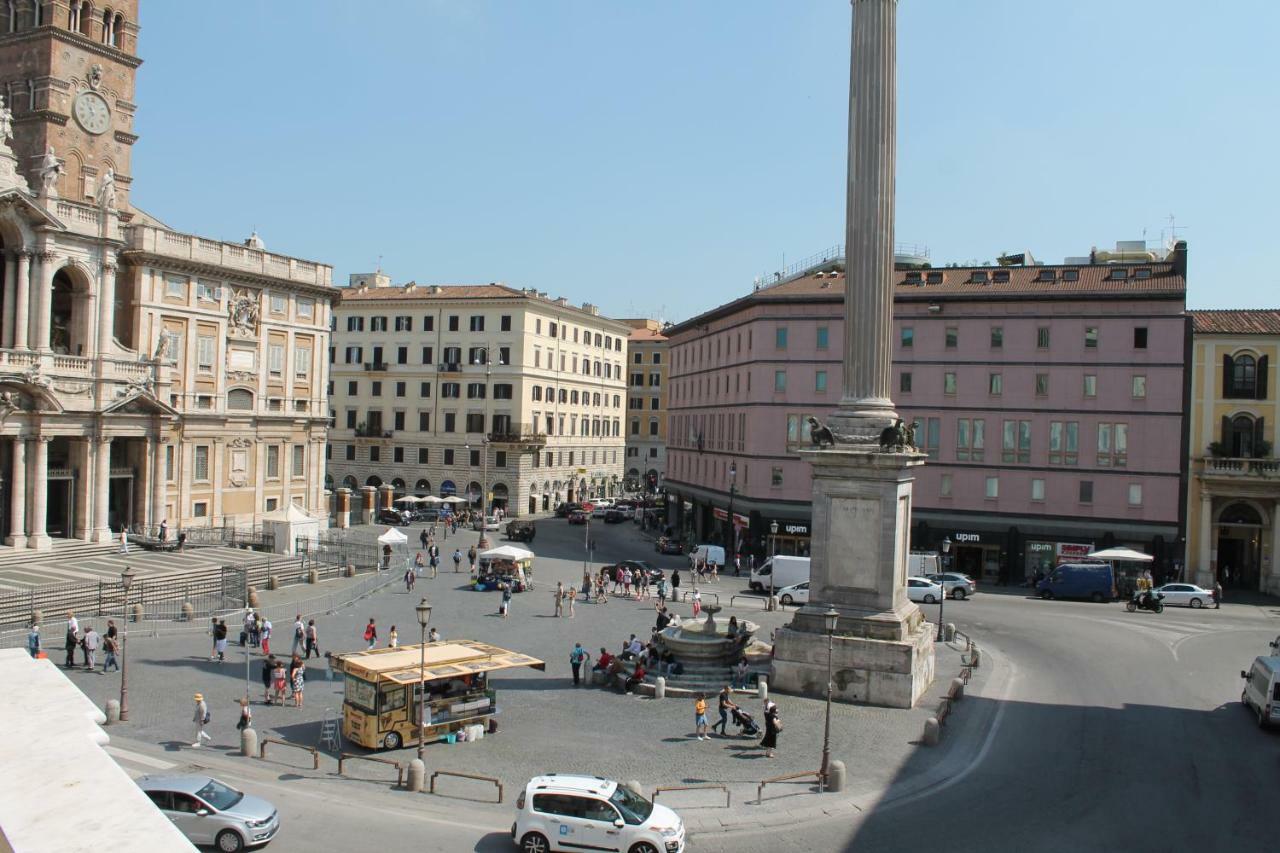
<point x="59" y="522"/>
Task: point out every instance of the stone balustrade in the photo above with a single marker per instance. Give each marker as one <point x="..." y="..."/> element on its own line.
<point x="188" y="247"/>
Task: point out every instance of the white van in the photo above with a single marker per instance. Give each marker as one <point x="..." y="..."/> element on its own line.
<point x="922" y="563"/>
<point x="707" y="553"/>
<point x="778" y="572"/>
<point x="1262" y="689"/>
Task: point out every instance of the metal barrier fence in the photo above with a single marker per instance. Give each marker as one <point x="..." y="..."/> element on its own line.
<point x="315" y="753"/>
<point x="816" y="774"/>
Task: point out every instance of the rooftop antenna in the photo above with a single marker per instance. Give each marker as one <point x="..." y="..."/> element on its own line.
<point x="379" y="264"/>
<point x="1174" y="227"/>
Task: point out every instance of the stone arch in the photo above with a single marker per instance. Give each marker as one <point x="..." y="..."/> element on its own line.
<point x="70" y="320"/>
<point x="397" y="484"/>
<point x="328" y="482"/>
<point x="374" y="480"/>
<point x="1242" y="511"/>
<point x="71" y="185"/>
<point x="350" y="482"/>
<point x="423" y="486"/>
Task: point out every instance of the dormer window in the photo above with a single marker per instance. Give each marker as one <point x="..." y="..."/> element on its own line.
<point x="1046" y="275"/>
<point x="1119" y="274"/>
<point x="1142" y="273"/>
<point x="914" y="277"/>
<point x="1000" y="276"/>
<point x="1071" y="275"/>
<point x="978" y="277"/>
<point x="934" y="277"/>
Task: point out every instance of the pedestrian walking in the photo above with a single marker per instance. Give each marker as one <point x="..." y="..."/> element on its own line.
<point x="213" y="637"/>
<point x="577" y="658"/>
<point x="586" y="585"/>
<point x="124" y="540"/>
<point x="164" y="530"/>
<point x="409" y="578"/>
<point x="313" y="639"/>
<point x="182" y="540"/>
<point x="559" y="595"/>
<point x="569" y="597"/>
<point x="371" y="634"/>
<point x="740" y="674"/>
<point x="246" y="715"/>
<point x="434" y="562"/>
<point x="299" y="636"/>
<point x="109" y="648"/>
<point x="266" y="637"/>
<point x="251" y="627"/>
<point x="268" y="667"/>
<point x="72" y="641"/>
<point x="505" y="606"/>
<point x="220" y="640"/>
<point x="92" y="641"/>
<point x="697" y="603"/>
<point x="457" y="560"/>
<point x="279" y="680"/>
<point x="393" y="638"/>
<point x="33" y="641"/>
<point x="1217" y="595"/>
<point x="424" y="538"/>
<point x="724" y="704"/>
<point x="675" y="584"/>
<point x="201" y="718"/>
<point x="737" y="565"/>
<point x="700" y="717"/>
<point x="772" y="726"/>
<point x="471" y="556"/>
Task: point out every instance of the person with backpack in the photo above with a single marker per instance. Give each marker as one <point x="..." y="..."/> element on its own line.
<point x="371" y="634"/>
<point x="457" y="560"/>
<point x="313" y="639"/>
<point x="577" y="658"/>
<point x="299" y="636"/>
<point x="220" y="640"/>
<point x="505" y="606"/>
<point x="201" y="719"/>
<point x="471" y="556"/>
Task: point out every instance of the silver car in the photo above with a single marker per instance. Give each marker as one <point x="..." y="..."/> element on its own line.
<point x="212" y="813"/>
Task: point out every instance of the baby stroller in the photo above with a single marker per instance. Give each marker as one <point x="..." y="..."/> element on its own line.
<point x="746" y="726"/>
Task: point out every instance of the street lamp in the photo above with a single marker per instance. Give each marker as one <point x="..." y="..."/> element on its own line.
<point x="773" y="552"/>
<point x="946" y="549"/>
<point x="829" y="622"/>
<point x="424" y="616"/>
<point x="126" y="581"/>
<point x="730" y="539"/>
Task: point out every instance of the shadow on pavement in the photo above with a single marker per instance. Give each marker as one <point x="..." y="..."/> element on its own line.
<point x="494" y="841"/>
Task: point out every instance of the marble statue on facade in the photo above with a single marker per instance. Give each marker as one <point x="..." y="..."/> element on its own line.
<point x="50" y="170"/>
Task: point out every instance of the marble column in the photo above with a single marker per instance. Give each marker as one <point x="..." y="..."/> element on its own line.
<point x="39" y="538"/>
<point x="10" y="294"/>
<point x="18" y="495"/>
<point x="159" y="493"/>
<point x="40" y="333"/>
<point x="216" y="464"/>
<point x="22" y="301"/>
<point x="1204" y="563"/>
<point x="865" y="407"/>
<point x="106" y="309"/>
<point x="102" y="489"/>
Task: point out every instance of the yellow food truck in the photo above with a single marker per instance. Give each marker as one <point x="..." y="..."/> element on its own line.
<point x="384" y="689"/>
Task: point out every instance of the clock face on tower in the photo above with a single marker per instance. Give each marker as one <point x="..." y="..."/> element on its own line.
<point x="92" y="113"/>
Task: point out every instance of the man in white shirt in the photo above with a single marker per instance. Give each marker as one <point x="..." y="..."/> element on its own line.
<point x="92" y="640"/>
<point x="299" y="635"/>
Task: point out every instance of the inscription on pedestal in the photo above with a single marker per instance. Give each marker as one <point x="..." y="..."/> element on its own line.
<point x="853" y="549"/>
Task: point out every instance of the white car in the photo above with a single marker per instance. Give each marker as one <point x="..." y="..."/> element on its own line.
<point x="490" y="523"/>
<point x="958" y="585"/>
<point x="794" y="594"/>
<point x="567" y="812"/>
<point x="1185" y="594"/>
<point x="923" y="589"/>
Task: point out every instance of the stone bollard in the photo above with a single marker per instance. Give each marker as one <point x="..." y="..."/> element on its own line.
<point x="313" y="576"/>
<point x="137" y="612"/>
<point x="762" y="687"/>
<point x="949" y="631"/>
<point x="113" y="711"/>
<point x="417" y="775"/>
<point x="773" y="603"/>
<point x="188" y="611"/>
<point x="253" y="597"/>
<point x="351" y="570"/>
<point x="932" y="732"/>
<point x="273" y="582"/>
<point x="36" y="617"/>
<point x="835" y="776"/>
<point x="957" y="688"/>
<point x="634" y="787"/>
<point x="248" y="742"/>
<point x="974" y="657"/>
<point x="659" y="688"/>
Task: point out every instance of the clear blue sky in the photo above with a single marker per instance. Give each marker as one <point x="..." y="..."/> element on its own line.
<point x="654" y="157"/>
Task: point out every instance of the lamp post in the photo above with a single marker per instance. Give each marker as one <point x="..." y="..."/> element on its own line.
<point x="773" y="552"/>
<point x="946" y="550"/>
<point x="126" y="581"/>
<point x="424" y="616"/>
<point x="730" y="538"/>
<point x="829" y="622"/>
<point x="247" y="610"/>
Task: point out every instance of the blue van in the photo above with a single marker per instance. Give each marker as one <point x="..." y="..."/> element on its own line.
<point x="1094" y="581"/>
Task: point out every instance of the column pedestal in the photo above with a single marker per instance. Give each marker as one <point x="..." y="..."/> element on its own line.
<point x="883" y="651"/>
<point x="342" y="507"/>
<point x="368" y="504"/>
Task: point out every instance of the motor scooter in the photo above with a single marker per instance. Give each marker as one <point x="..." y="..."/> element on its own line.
<point x="1145" y="600"/>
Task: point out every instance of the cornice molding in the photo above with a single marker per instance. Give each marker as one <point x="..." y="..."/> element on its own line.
<point x="74" y="39"/>
<point x="139" y="257"/>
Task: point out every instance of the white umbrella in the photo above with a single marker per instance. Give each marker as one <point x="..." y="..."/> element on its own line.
<point x="1124" y="555"/>
<point x="454" y="499"/>
<point x="407" y="499"/>
<point x="507" y="552"/>
<point x="392" y="537"/>
<point x="430" y="499"/>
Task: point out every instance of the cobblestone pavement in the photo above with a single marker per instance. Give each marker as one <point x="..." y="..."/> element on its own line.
<point x="545" y="724"/>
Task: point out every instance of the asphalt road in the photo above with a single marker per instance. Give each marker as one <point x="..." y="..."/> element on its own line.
<point x="1119" y="732"/>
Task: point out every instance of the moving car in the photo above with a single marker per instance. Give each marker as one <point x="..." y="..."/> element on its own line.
<point x="923" y="589"/>
<point x="565" y="509"/>
<point x="210" y="812"/>
<point x="599" y="511"/>
<point x="490" y="522"/>
<point x="779" y="571"/>
<point x="565" y="812"/>
<point x="1094" y="581"/>
<point x="665" y="545"/>
<point x="1262" y="690"/>
<point x="577" y="517"/>
<point x="795" y="594"/>
<point x="957" y="585"/>
<point x="521" y="531"/>
<point x="393" y="516"/>
<point x="614" y="516"/>
<point x="1185" y="594"/>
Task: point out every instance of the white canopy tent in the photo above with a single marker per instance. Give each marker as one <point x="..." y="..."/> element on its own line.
<point x="392" y="541"/>
<point x="289" y="524"/>
<point x="507" y="552"/>
<point x="1122" y="555"/>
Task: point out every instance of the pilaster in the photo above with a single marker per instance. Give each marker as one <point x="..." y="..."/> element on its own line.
<point x="102" y="489"/>
<point x="22" y="302"/>
<point x="40" y="334"/>
<point x="17" y="537"/>
<point x="38" y="539"/>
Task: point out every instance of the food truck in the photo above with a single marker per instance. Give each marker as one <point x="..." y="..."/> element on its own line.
<point x="384" y="690"/>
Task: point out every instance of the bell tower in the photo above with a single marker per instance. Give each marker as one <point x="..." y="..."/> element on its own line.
<point x="67" y="72"/>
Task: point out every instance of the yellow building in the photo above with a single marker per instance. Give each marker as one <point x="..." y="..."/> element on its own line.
<point x="646" y="405"/>
<point x="1233" y="499"/>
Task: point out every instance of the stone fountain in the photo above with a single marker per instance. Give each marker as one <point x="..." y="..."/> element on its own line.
<point x="706" y="647"/>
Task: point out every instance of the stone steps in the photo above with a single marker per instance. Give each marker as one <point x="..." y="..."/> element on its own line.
<point x="71" y="550"/>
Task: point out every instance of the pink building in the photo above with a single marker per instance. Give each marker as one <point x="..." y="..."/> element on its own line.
<point x="1049" y="398"/>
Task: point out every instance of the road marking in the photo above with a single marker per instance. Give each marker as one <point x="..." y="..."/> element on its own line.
<point x="138" y="758"/>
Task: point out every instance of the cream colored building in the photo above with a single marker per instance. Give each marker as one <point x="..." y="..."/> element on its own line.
<point x="646" y="428"/>
<point x="145" y="375"/>
<point x="1233" y="500"/>
<point x="468" y="389"/>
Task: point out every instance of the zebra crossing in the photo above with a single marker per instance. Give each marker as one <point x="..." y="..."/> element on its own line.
<point x="79" y="561"/>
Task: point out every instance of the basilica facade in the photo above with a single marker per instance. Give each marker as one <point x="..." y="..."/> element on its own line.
<point x="146" y="375"/>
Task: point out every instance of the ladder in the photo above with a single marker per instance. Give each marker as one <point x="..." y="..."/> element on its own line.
<point x="330" y="736"/>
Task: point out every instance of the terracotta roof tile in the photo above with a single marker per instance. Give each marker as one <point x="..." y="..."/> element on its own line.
<point x="1258" y="321"/>
<point x="641" y="336"/>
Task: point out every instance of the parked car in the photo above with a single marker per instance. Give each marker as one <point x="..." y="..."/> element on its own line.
<point x="1185" y="594"/>
<point x="707" y="553"/>
<point x="1262" y="690"/>
<point x="1094" y="581"/>
<point x="212" y="813"/>
<point x="564" y="812"/>
<point x="394" y="517"/>
<point x="578" y="517"/>
<point x="957" y="585"/>
<point x="489" y="522"/>
<point x="564" y="510"/>
<point x="666" y="545"/>
<point x="655" y="575"/>
<point x="599" y="511"/>
<point x="794" y="594"/>
<point x="521" y="531"/>
<point x="923" y="589"/>
<point x="614" y="516"/>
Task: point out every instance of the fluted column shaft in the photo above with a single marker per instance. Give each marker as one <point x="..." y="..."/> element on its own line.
<point x="868" y="310"/>
<point x="18" y="495"/>
<point x="39" y="538"/>
<point x="106" y="309"/>
<point x="22" y="302"/>
<point x="41" y="334"/>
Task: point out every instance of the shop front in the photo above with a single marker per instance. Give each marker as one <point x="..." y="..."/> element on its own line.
<point x="792" y="538"/>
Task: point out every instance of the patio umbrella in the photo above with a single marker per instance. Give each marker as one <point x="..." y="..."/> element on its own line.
<point x="454" y="499"/>
<point x="407" y="499"/>
<point x="1124" y="555"/>
<point x="430" y="499"/>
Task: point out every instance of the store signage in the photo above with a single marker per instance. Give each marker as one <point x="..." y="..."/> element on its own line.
<point x="792" y="528"/>
<point x="1067" y="549"/>
<point x="967" y="537"/>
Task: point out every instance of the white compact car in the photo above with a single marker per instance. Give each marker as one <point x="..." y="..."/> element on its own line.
<point x="923" y="589"/>
<point x="566" y="812"/>
<point x="795" y="594"/>
<point x="1185" y="594"/>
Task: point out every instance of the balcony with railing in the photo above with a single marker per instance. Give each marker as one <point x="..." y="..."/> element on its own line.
<point x="376" y="366"/>
<point x="1239" y="467"/>
<point x="449" y="367"/>
<point x="375" y="431"/>
<point x="522" y="435"/>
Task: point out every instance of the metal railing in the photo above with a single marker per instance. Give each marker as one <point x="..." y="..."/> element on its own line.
<point x="816" y="774"/>
<point x="465" y="776"/>
<point x="315" y="753"/>
<point x="344" y="757"/>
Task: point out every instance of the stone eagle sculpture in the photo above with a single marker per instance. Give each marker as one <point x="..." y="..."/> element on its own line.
<point x="820" y="434"/>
